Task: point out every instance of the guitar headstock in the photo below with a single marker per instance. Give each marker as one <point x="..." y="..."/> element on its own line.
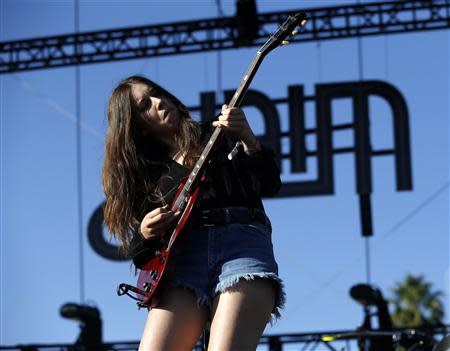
<point x="286" y="29"/>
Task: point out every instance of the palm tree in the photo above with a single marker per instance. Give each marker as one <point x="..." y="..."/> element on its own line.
<point x="415" y="304"/>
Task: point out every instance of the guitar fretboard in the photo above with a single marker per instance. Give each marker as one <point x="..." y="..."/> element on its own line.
<point x="277" y="39"/>
<point x="236" y="100"/>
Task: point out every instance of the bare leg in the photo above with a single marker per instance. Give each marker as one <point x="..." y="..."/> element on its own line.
<point x="240" y="315"/>
<point x="176" y="324"/>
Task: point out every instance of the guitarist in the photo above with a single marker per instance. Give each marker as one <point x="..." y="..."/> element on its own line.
<point x="222" y="267"/>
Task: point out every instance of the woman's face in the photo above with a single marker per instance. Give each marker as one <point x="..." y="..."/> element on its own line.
<point x="159" y="115"/>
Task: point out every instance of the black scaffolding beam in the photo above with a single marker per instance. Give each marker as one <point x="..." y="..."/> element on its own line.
<point x="326" y="23"/>
<point x="332" y="340"/>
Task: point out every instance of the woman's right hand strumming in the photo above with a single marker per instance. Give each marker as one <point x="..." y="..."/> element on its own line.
<point x="155" y="223"/>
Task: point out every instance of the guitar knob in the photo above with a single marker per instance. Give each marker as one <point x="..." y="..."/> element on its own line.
<point x="284" y="42"/>
<point x="303" y="22"/>
<point x="294" y="32"/>
<point x="147" y="287"/>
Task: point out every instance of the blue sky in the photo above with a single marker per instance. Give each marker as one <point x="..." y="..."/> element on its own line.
<point x="317" y="240"/>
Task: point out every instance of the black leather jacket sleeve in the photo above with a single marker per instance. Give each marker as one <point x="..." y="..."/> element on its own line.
<point x="262" y="171"/>
<point x="141" y="250"/>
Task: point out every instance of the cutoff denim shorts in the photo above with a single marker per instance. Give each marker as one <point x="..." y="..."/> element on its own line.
<point x="209" y="259"/>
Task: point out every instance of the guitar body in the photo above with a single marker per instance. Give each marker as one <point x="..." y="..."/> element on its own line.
<point x="151" y="274"/>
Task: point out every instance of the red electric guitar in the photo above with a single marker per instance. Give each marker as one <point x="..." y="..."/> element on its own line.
<point x="151" y="274"/>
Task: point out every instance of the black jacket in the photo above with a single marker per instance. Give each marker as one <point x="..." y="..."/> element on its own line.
<point x="240" y="182"/>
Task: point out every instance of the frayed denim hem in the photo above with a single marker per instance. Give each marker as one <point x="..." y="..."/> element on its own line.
<point x="280" y="296"/>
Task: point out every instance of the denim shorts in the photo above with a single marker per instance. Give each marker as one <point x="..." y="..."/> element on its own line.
<point x="209" y="259"/>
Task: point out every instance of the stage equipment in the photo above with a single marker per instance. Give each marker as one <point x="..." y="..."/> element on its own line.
<point x="399" y="340"/>
<point x="368" y="297"/>
<point x="443" y="345"/>
<point x="384" y="338"/>
<point x="90" y="324"/>
<point x="247" y="23"/>
<point x="342" y="340"/>
<point x="326" y="23"/>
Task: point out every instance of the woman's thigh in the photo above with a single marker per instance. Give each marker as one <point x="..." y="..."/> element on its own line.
<point x="240" y="315"/>
<point x="175" y="324"/>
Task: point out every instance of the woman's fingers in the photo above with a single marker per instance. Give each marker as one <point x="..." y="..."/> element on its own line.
<point x="162" y="217"/>
<point x="238" y="128"/>
<point x="155" y="212"/>
<point x="237" y="120"/>
<point x="163" y="225"/>
<point x="160" y="227"/>
<point x="158" y="210"/>
<point x="231" y="124"/>
<point x="234" y="122"/>
<point x="156" y="222"/>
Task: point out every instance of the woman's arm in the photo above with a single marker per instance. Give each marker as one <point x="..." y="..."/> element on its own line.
<point x="146" y="238"/>
<point x="262" y="169"/>
<point x="258" y="161"/>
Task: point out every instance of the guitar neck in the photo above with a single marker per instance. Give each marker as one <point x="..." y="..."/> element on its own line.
<point x="245" y="82"/>
<point x="213" y="141"/>
<point x="275" y="40"/>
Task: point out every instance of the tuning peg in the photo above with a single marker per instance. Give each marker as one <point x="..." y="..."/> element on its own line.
<point x="284" y="42"/>
<point x="294" y="32"/>
<point x="302" y="23"/>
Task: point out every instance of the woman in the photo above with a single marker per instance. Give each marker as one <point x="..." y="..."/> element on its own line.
<point x="221" y="268"/>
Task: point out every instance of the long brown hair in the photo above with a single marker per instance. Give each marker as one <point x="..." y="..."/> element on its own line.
<point x="133" y="166"/>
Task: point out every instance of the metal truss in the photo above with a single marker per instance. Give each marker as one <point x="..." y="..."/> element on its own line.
<point x="326" y="23"/>
<point x="331" y="341"/>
